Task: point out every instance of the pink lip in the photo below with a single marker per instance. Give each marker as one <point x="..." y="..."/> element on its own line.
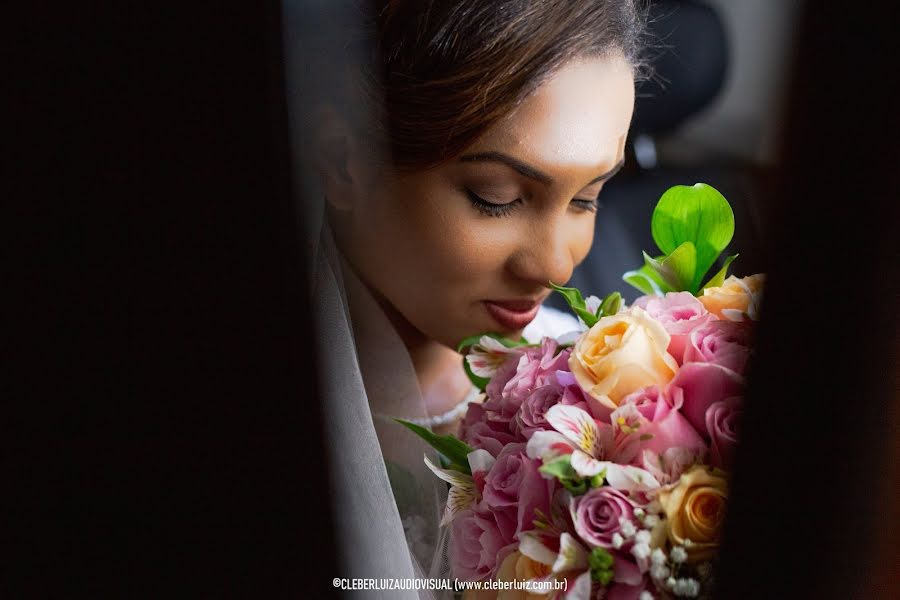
<point x="513" y="314"/>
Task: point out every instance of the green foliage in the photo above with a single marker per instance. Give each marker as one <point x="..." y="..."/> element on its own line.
<point x="691" y="225"/>
<point x="454" y="449"/>
<point x="610" y="305"/>
<point x="561" y="468"/>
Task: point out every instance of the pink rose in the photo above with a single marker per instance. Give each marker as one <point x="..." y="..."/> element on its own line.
<point x="596" y="515"/>
<point x="650" y="421"/>
<point x="519" y="376"/>
<point x="722" y="419"/>
<point x="531" y="415"/>
<point x="514" y="482"/>
<point x="703" y="384"/>
<point x="724" y="343"/>
<point x="479" y="541"/>
<point x="480" y="430"/>
<point x="680" y="313"/>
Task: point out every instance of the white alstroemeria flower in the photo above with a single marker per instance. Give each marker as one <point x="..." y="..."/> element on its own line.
<point x="571" y="559"/>
<point x="488" y="355"/>
<point x="578" y="434"/>
<point x="463" y="491"/>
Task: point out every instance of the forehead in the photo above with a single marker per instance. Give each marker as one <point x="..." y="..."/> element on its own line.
<point x="577" y="118"/>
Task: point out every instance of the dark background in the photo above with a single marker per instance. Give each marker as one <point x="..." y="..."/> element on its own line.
<point x="159" y="401"/>
<point x="160" y="423"/>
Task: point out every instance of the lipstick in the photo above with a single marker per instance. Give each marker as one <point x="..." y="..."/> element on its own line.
<point x="512" y="314"/>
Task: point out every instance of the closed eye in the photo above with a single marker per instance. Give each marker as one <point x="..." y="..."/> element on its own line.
<point x="586" y="205"/>
<point x="492" y="209"/>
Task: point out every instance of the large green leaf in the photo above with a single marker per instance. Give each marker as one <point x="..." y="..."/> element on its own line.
<point x="456" y="450"/>
<point x="697" y="214"/>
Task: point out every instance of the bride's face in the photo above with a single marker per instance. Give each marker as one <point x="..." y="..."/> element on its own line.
<point x="472" y="245"/>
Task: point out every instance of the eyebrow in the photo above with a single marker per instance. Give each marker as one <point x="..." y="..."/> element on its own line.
<point x="528" y="170"/>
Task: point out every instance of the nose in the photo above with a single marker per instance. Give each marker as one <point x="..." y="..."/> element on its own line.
<point x="545" y="253"/>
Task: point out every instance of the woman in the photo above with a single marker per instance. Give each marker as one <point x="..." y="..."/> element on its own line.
<point x="459" y="148"/>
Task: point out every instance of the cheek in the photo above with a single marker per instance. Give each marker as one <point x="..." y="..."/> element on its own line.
<point x="581" y="237"/>
<point x="426" y="233"/>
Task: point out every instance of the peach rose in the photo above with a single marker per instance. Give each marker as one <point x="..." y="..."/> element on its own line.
<point x="515" y="567"/>
<point x="736" y="299"/>
<point x="695" y="510"/>
<point x="621" y="354"/>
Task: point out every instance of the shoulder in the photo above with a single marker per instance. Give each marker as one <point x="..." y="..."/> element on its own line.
<point x="551" y="323"/>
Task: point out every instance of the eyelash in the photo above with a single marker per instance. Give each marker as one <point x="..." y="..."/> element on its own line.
<point x="501" y="210"/>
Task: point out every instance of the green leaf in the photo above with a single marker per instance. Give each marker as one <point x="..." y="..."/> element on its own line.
<point x="664" y="272"/>
<point x="561" y="468"/>
<point x="682" y="263"/>
<point x="456" y="450"/>
<point x="576" y="486"/>
<point x="645" y="280"/>
<point x="697" y="214"/>
<point x="719" y="278"/>
<point x="589" y="319"/>
<point x="610" y="305"/>
<point x="572" y="295"/>
<point x="576" y="303"/>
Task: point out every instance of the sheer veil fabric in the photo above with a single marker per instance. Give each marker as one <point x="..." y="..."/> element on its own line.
<point x="387" y="503"/>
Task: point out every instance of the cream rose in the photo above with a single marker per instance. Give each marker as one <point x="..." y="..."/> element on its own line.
<point x="735" y="298"/>
<point x="621" y="354"/>
<point x="695" y="510"/>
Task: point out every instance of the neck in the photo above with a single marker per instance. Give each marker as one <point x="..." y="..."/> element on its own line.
<point x="430" y="358"/>
<point x="438" y="368"/>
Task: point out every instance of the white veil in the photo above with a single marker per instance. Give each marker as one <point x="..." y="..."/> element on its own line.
<point x="387" y="504"/>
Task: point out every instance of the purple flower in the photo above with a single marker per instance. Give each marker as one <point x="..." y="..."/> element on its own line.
<point x="598" y="514"/>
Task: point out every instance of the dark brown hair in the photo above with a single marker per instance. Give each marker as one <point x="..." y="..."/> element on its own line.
<point x="424" y="79"/>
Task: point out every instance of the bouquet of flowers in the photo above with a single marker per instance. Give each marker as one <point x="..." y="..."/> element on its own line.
<point x="601" y="459"/>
